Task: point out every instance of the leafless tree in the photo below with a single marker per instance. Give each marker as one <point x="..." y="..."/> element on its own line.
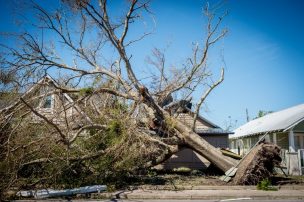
<point x="36" y="56"/>
<point x="77" y="55"/>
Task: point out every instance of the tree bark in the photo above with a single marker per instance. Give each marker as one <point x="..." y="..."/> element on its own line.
<point x="201" y="146"/>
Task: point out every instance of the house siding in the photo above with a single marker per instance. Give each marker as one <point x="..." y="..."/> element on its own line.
<point x="282" y="140"/>
<point x="61" y="112"/>
<point x="185" y="158"/>
<point x="220" y="141"/>
<point x="188" y="119"/>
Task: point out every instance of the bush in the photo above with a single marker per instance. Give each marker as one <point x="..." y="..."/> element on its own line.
<point x="266" y="185"/>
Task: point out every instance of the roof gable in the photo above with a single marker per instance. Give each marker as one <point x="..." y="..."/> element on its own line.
<point x="203" y="125"/>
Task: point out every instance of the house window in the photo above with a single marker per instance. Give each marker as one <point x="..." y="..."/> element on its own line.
<point x="48" y="102"/>
<point x="299" y="141"/>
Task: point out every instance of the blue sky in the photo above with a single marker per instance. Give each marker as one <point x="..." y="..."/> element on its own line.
<point x="263" y="51"/>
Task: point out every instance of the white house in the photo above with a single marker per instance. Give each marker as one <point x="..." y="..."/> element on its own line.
<point x="284" y="128"/>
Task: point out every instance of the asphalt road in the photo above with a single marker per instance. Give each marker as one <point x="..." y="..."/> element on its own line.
<point x="123" y="200"/>
<point x="223" y="200"/>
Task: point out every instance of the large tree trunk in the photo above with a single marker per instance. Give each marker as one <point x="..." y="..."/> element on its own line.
<point x="198" y="144"/>
<point x="258" y="165"/>
<point x="202" y="147"/>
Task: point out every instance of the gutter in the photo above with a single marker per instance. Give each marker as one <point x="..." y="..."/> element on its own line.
<point x="259" y="133"/>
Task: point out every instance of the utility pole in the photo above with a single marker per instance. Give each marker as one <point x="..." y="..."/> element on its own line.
<point x="247" y="115"/>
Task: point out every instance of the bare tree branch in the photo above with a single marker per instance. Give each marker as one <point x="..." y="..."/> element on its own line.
<point x="204" y="96"/>
<point x="63" y="137"/>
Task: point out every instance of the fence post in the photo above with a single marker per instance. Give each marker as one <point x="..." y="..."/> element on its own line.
<point x="300" y="157"/>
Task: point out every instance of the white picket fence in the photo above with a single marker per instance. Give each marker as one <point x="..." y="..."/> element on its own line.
<point x="293" y="162"/>
<point x="301" y="161"/>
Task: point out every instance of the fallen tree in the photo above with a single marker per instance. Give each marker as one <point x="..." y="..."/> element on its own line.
<point x="123" y="114"/>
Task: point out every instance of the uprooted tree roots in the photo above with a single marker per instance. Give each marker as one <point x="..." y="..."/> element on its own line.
<point x="258" y="165"/>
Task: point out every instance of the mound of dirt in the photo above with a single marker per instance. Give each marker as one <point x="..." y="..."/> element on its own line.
<point x="258" y="164"/>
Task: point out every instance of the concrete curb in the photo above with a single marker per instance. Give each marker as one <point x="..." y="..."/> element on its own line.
<point x="204" y="187"/>
<point x="291" y="187"/>
<point x="202" y="194"/>
<point x="190" y="187"/>
<point x="199" y="193"/>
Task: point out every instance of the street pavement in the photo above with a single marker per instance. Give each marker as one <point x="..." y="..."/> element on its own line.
<point x="208" y="194"/>
<point x="126" y="200"/>
<point x="199" y="193"/>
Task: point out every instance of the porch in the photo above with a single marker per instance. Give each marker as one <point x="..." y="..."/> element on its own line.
<point x="291" y="143"/>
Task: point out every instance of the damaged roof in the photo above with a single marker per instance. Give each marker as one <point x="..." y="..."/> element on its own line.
<point x="185" y="107"/>
<point x="277" y="121"/>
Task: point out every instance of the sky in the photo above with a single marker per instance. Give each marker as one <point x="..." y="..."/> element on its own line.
<point x="263" y="53"/>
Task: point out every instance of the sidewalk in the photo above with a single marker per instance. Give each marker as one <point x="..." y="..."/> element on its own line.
<point x="208" y="192"/>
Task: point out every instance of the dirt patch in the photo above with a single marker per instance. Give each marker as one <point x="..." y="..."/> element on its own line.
<point x="193" y="180"/>
<point x="290" y="180"/>
<point x="176" y="181"/>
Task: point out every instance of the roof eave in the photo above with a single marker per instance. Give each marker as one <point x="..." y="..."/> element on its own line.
<point x="294" y="124"/>
<point x="259" y="133"/>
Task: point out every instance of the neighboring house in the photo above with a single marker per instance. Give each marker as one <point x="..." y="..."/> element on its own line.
<point x="284" y="128"/>
<point x="57" y="107"/>
<point x="212" y="133"/>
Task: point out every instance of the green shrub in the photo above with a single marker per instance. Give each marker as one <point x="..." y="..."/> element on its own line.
<point x="265" y="185"/>
<point x="86" y="91"/>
